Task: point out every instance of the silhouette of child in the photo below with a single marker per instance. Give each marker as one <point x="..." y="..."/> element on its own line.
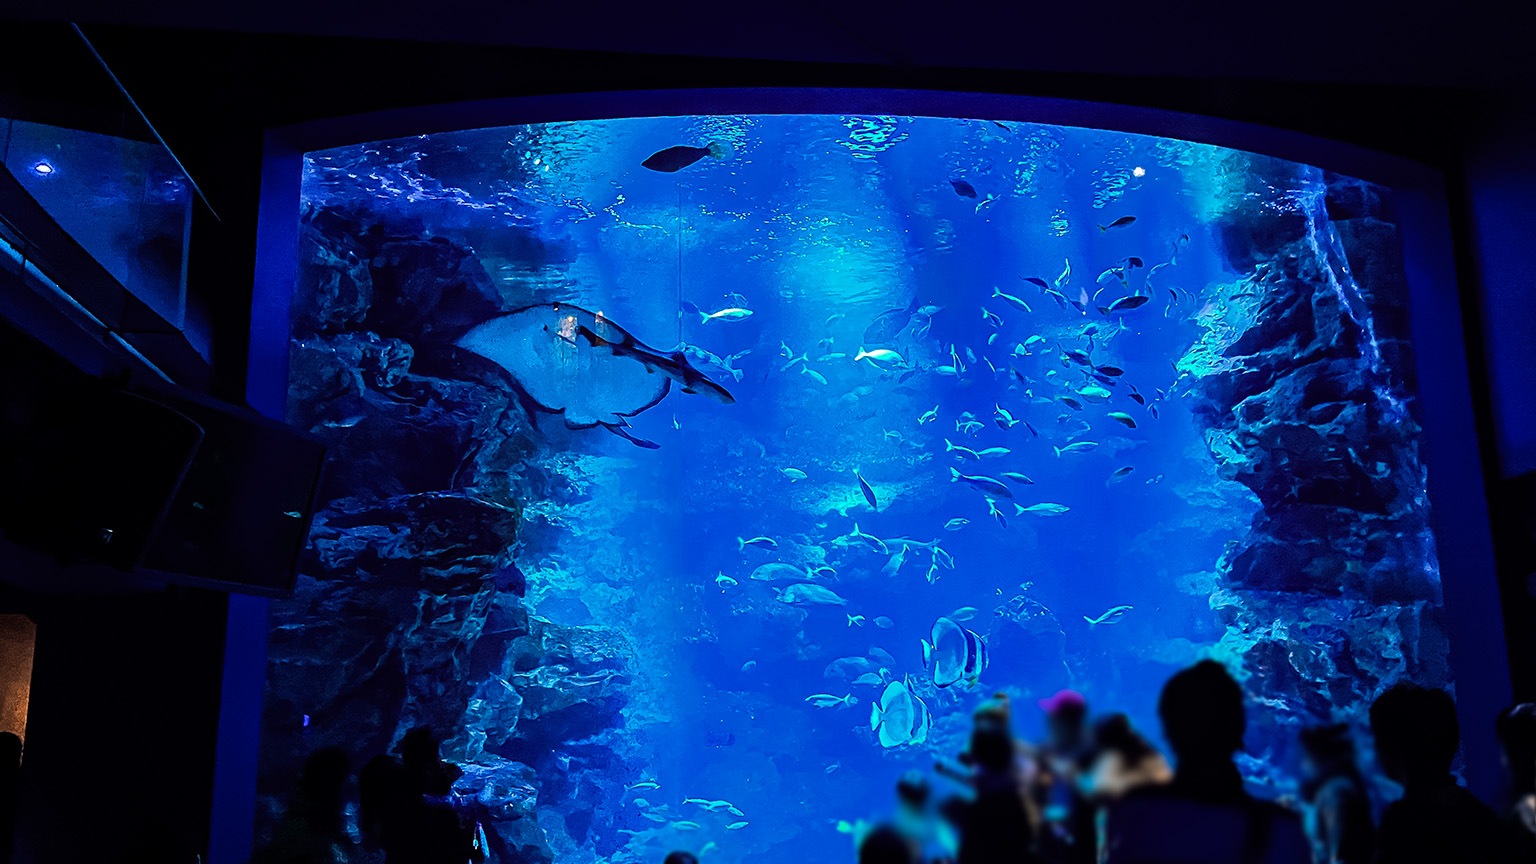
<point x="1339" y="811"/>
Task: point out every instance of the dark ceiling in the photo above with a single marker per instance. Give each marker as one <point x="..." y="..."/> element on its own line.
<point x="1377" y="42"/>
<point x="212" y="77"/>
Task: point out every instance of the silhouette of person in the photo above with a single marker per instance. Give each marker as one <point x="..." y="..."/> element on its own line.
<point x="1516" y="728"/>
<point x="998" y="826"/>
<point x="1120" y="760"/>
<point x="383" y="798"/>
<point x="1338" y="807"/>
<point x="432" y="828"/>
<point x="680" y="857"/>
<point x="1068" y="832"/>
<point x="1417" y="736"/>
<point x="999" y="771"/>
<point x="313" y="830"/>
<point x="1204" y="816"/>
<point x="424" y="768"/>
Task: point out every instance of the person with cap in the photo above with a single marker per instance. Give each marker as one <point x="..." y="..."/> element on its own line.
<point x="1204" y="816"/>
<point x="1068" y="835"/>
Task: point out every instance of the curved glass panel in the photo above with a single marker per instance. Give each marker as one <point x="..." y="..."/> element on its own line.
<point x="693" y="477"/>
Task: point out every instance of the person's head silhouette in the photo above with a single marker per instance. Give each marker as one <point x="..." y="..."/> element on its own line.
<point x="1416" y="731"/>
<point x="1114" y="733"/>
<point x="885" y="845"/>
<point x="10" y="751"/>
<point x="991" y="749"/>
<point x="680" y="857"/>
<point x="324" y="778"/>
<point x="1202" y="712"/>
<point x="418" y="747"/>
<point x="1327" y="750"/>
<point x="1066" y="718"/>
<point x="426" y="769"/>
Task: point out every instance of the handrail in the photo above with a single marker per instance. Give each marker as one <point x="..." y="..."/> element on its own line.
<point x="148" y="125"/>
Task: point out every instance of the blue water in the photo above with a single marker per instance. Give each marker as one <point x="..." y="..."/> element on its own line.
<point x="828" y="228"/>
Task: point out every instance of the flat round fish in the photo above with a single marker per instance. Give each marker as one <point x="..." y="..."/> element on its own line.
<point x="895" y="716"/>
<point x="563" y="373"/>
<point x="950" y="650"/>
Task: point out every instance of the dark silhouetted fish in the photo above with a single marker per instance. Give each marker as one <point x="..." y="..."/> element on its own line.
<point x="1122" y="222"/>
<point x="677" y="158"/>
<point x="869" y="494"/>
<point x="963" y="189"/>
<point x="890" y="323"/>
<point x="1126" y="304"/>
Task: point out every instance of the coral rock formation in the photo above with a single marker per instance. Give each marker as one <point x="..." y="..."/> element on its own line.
<point x="1334" y="593"/>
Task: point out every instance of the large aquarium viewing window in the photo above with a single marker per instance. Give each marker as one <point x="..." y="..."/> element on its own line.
<point x="693" y="477"/>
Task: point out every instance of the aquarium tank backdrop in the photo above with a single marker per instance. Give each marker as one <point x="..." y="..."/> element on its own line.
<point x="693" y="477"/>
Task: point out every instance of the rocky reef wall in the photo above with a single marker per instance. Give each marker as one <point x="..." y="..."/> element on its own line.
<point x="405" y="611"/>
<point x="1306" y="398"/>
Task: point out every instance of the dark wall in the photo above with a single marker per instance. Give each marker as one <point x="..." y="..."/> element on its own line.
<point x="1497" y="183"/>
<point x="1500" y="173"/>
<point x="122" y="718"/>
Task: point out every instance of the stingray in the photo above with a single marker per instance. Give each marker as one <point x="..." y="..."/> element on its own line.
<point x="582" y="366"/>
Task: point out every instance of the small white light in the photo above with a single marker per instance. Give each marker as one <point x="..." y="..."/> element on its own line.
<point x="1138" y="171"/>
<point x="42" y="168"/>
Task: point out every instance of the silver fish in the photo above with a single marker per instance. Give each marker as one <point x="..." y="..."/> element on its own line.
<point x="1112" y="616"/>
<point x="985" y="485"/>
<point x="964" y="452"/>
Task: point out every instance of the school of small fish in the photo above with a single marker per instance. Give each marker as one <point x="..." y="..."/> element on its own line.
<point x="1061" y="381"/>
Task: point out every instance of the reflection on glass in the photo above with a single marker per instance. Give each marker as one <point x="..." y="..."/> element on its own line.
<point x="125" y="201"/>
